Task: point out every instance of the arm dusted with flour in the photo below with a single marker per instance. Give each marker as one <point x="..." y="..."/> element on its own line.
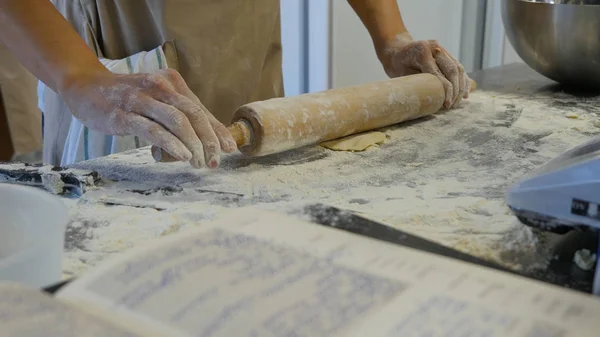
<point x="157" y="107"/>
<point x="400" y="55"/>
<point x="37" y="34"/>
<point x="382" y="19"/>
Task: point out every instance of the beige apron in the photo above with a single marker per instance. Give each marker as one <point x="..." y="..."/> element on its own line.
<point x="228" y="51"/>
<point x="19" y="91"/>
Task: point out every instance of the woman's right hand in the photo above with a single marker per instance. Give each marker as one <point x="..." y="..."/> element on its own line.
<point x="158" y="107"/>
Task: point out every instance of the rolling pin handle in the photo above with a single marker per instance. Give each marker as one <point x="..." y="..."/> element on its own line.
<point x="241" y="131"/>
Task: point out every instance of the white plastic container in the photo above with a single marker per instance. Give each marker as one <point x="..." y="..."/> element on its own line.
<point x="32" y="231"/>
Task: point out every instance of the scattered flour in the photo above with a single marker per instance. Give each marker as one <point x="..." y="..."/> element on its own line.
<point x="585" y="259"/>
<point x="443" y="178"/>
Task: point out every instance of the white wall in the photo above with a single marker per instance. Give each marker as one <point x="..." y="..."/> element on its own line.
<point x="319" y="45"/>
<point x="325" y="44"/>
<point x="353" y="57"/>
<point x="292" y="38"/>
<point x="306" y="44"/>
<point x="509" y="55"/>
<point x="497" y="48"/>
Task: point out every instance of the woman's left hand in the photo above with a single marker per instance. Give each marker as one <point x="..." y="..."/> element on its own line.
<point x="404" y="56"/>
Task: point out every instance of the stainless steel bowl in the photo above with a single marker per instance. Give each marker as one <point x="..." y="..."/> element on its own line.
<point x="560" y="39"/>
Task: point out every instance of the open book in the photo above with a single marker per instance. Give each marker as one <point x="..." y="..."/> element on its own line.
<point x="265" y="274"/>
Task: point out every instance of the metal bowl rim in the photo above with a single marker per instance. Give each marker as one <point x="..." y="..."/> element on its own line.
<point x="549" y="4"/>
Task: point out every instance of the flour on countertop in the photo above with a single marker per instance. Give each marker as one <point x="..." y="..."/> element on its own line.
<point x="443" y="178"/>
<point x="585" y="259"/>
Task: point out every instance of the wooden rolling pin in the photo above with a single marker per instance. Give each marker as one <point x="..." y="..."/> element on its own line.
<point x="281" y="124"/>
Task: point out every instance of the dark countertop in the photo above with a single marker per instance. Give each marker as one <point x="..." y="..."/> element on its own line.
<point x="438" y="184"/>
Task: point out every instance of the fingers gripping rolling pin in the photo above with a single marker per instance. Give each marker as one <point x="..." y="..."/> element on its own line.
<point x="281" y="124"/>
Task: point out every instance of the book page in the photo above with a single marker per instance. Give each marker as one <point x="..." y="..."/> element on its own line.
<point x="26" y="312"/>
<point x="264" y="274"/>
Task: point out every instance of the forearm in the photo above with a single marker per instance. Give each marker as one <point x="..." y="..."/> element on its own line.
<point x="382" y="19"/>
<point x="45" y="43"/>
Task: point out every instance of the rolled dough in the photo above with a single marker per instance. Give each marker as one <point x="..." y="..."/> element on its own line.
<point x="358" y="142"/>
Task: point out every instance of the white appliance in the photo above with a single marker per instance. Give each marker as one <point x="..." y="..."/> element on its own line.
<point x="562" y="194"/>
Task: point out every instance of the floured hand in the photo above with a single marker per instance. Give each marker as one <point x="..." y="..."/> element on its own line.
<point x="157" y="107"/>
<point x="404" y="56"/>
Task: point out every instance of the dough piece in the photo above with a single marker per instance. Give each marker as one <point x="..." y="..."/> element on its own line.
<point x="358" y="142"/>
